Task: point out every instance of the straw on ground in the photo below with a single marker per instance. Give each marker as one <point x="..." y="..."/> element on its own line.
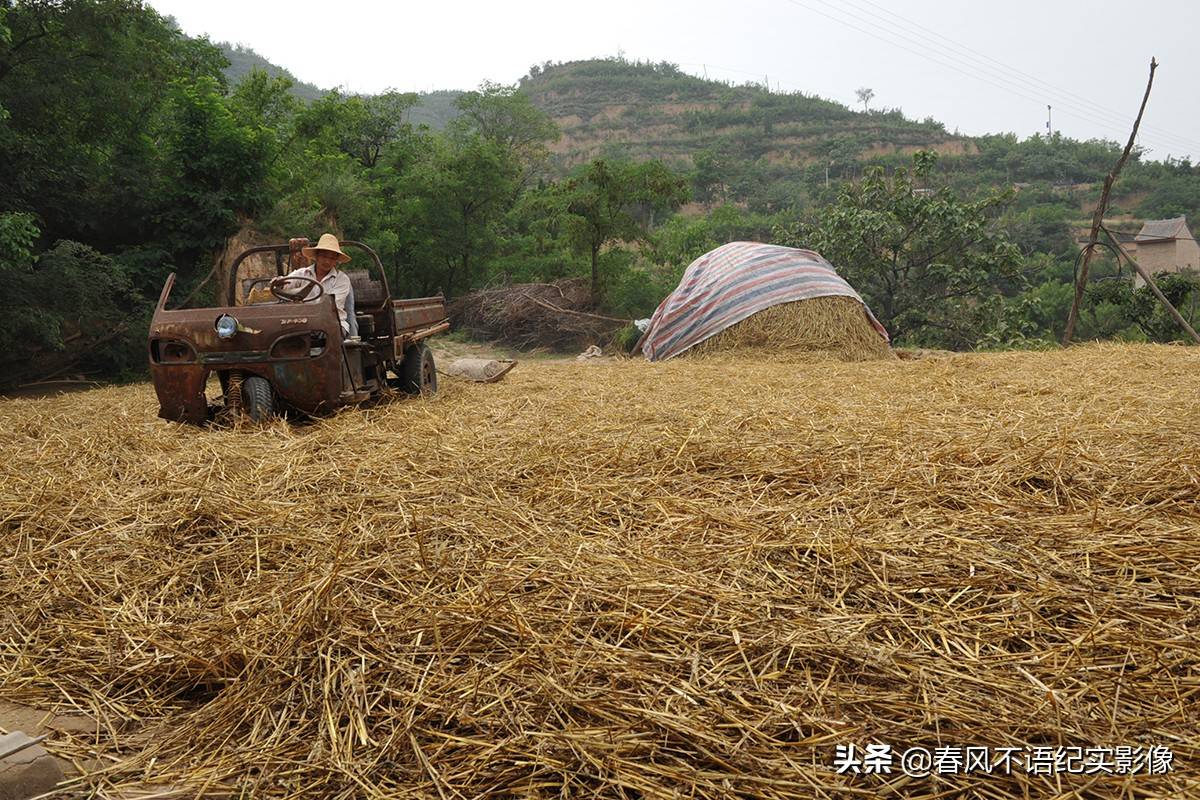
<point x="625" y="580"/>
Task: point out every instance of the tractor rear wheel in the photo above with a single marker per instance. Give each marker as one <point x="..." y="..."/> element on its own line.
<point x="258" y="400"/>
<point x="418" y="372"/>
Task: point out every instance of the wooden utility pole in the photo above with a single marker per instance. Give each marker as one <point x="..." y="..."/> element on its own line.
<point x="1098" y="217"/>
<point x="1183" y="323"/>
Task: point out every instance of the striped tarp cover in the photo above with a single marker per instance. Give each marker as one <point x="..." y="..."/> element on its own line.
<point x="726" y="285"/>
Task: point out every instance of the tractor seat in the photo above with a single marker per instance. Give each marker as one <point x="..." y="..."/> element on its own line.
<point x="369" y="297"/>
<point x="368" y="292"/>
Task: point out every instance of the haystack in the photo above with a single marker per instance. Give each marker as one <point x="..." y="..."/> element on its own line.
<point x="833" y="327"/>
<point x="750" y="295"/>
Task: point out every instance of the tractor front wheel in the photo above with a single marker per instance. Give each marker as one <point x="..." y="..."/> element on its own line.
<point x="258" y="399"/>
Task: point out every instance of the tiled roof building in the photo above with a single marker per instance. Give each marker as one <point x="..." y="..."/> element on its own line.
<point x="1167" y="245"/>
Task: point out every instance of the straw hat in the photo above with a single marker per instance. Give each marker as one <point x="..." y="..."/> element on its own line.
<point x="329" y="243"/>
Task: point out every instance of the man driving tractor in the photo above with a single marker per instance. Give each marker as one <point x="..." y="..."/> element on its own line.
<point x="327" y="254"/>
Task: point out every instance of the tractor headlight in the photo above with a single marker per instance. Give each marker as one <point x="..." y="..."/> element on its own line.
<point x="227" y="326"/>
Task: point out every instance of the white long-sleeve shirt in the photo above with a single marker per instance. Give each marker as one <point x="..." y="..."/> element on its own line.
<point x="336" y="283"/>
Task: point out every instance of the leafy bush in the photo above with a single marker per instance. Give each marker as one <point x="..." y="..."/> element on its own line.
<point x="68" y="308"/>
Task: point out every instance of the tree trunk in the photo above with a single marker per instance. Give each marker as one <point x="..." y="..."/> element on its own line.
<point x="449" y="277"/>
<point x="1098" y="217"/>
<point x="595" y="276"/>
<point x="466" y="250"/>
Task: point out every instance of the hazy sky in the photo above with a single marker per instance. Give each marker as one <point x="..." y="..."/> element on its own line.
<point x="978" y="67"/>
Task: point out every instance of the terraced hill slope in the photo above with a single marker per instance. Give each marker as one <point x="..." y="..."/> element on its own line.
<point x="656" y="110"/>
<point x="767" y="151"/>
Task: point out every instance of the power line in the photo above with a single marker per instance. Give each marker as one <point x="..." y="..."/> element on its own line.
<point x="971" y="70"/>
<point x="950" y="64"/>
<point x="1087" y="111"/>
<point x="1117" y="116"/>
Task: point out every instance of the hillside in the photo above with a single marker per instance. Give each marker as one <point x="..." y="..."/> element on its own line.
<point x="613" y="106"/>
<point x="435" y="108"/>
<point x="243" y="60"/>
<point x="768" y="151"/>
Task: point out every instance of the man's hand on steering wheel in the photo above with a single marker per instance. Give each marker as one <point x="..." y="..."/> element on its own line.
<point x="301" y="295"/>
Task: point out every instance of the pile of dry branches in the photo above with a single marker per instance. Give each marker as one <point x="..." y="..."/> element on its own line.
<point x="691" y="579"/>
<point x="556" y="316"/>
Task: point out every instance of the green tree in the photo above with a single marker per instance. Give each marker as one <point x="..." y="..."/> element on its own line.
<point x="923" y="260"/>
<point x="534" y="245"/>
<point x="261" y="101"/>
<point x="66" y="308"/>
<point x="361" y="127"/>
<point x="1174" y="195"/>
<point x="682" y="239"/>
<point x="607" y="202"/>
<point x="864" y="96"/>
<point x="376" y="122"/>
<point x="505" y="116"/>
<point x="83" y="82"/>
<point x="464" y="187"/>
<point x="1139" y="307"/>
<point x="715" y="170"/>
<point x="214" y="169"/>
<point x="1043" y="228"/>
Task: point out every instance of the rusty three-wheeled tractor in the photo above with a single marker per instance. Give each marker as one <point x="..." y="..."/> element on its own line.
<point x="283" y="349"/>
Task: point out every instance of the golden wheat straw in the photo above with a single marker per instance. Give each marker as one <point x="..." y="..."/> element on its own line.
<point x="828" y="327"/>
<point x="618" y="579"/>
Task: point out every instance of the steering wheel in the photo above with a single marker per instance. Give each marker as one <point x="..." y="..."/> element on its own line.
<point x="300" y="295"/>
<point x="254" y="284"/>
